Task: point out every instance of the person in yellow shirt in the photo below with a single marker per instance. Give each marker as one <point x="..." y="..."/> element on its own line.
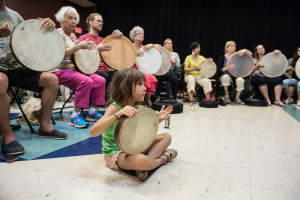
<point x="192" y="76"/>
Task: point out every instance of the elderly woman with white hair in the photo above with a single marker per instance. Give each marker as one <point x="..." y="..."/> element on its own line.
<point x="137" y="36"/>
<point x="86" y="87"/>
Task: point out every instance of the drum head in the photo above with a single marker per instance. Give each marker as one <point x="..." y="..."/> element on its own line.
<point x="36" y="48"/>
<point x="166" y="64"/>
<point x="297" y="68"/>
<point x="87" y="61"/>
<point x="122" y="55"/>
<point x="243" y="65"/>
<point x="134" y="135"/>
<point x="274" y="64"/>
<point x="208" y="69"/>
<point x="150" y="62"/>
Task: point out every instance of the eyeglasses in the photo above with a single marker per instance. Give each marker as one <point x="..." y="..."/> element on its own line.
<point x="99" y="21"/>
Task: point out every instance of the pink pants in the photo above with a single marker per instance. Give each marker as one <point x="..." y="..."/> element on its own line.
<point x="85" y="86"/>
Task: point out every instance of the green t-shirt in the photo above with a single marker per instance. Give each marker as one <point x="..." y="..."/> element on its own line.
<point x="109" y="146"/>
<point x="192" y="64"/>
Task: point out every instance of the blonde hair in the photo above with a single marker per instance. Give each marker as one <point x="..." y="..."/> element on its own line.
<point x="229" y="43"/>
<point x="60" y="15"/>
<point x="165" y="42"/>
<point x="91" y="17"/>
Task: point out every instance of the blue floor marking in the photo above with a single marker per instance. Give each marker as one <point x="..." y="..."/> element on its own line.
<point x="293" y="111"/>
<point x="79" y="141"/>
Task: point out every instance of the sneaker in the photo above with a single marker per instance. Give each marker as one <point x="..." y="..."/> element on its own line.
<point x="287" y="101"/>
<point x="78" y="122"/>
<point x="13" y="148"/>
<point x="93" y="117"/>
<point x="54" y="134"/>
<point x="142" y="175"/>
<point x="298" y="103"/>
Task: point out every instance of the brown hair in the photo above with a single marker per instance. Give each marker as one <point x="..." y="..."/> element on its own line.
<point x="255" y="54"/>
<point x="91" y="17"/>
<point x="120" y="87"/>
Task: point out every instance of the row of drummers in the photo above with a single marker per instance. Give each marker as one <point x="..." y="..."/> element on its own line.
<point x="270" y="70"/>
<point x="157" y="60"/>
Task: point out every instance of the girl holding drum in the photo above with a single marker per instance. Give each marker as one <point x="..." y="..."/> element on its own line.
<point x="127" y="89"/>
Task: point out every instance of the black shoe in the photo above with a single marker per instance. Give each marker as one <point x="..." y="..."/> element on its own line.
<point x="54" y="134"/>
<point x="13" y="148"/>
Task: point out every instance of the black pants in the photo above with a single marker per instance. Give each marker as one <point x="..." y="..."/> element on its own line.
<point x="173" y="79"/>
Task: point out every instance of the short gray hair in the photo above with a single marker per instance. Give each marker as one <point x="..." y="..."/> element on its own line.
<point x="60" y="15"/>
<point x="133" y="32"/>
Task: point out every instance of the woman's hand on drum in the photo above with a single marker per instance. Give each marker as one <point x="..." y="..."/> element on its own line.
<point x="164" y="113"/>
<point x="148" y="47"/>
<point x="47" y="23"/>
<point x="210" y="60"/>
<point x="86" y="44"/>
<point x="290" y="68"/>
<point x="230" y="67"/>
<point x="197" y="69"/>
<point x="276" y="51"/>
<point x="5" y="30"/>
<point x="140" y="53"/>
<point x="104" y="47"/>
<point x="129" y="111"/>
<point x="117" y="33"/>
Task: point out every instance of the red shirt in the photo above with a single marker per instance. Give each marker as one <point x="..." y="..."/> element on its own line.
<point x="97" y="40"/>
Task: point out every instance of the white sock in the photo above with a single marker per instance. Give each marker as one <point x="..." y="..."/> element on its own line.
<point x="74" y="114"/>
<point x="92" y="110"/>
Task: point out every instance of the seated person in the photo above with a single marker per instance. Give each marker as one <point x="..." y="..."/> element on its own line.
<point x="89" y="89"/>
<point x="261" y="81"/>
<point x="14" y="74"/>
<point x="137" y="36"/>
<point x="294" y="80"/>
<point x="192" y="76"/>
<point x="171" y="75"/>
<point x="225" y="77"/>
<point x="95" y="24"/>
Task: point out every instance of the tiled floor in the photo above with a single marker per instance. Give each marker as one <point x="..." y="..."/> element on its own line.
<point x="231" y="152"/>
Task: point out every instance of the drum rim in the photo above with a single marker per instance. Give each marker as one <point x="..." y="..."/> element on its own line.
<point x="16" y="57"/>
<point x="271" y="53"/>
<point x="149" y="50"/>
<point x="124" y="38"/>
<point x="296" y="67"/>
<point x="170" y="65"/>
<point x="213" y="63"/>
<point x="243" y="55"/>
<point x="73" y="57"/>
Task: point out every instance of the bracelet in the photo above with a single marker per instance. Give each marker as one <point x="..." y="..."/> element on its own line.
<point x="116" y="116"/>
<point x="75" y="47"/>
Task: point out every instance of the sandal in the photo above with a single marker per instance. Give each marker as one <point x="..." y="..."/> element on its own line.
<point x="239" y="101"/>
<point x="169" y="155"/>
<point x="226" y="98"/>
<point x="279" y="103"/>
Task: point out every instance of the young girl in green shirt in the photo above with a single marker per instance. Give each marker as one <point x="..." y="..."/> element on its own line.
<point x="127" y="90"/>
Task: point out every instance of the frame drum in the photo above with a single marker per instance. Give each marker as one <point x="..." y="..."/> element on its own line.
<point x="36" y="48"/>
<point x="150" y="62"/>
<point x="208" y="69"/>
<point x="166" y="64"/>
<point x="274" y="64"/>
<point x="135" y="135"/>
<point x="122" y="55"/>
<point x="243" y="65"/>
<point x="87" y="61"/>
<point x="297" y="68"/>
